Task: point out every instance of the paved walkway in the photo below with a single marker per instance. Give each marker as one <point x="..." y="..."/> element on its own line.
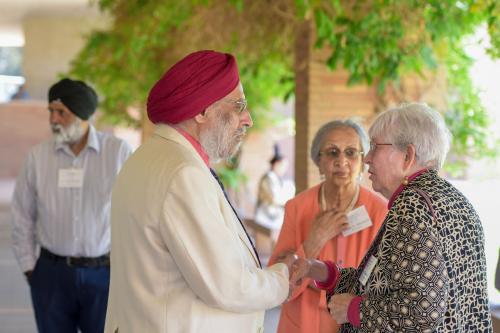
<point x="16" y="315"/>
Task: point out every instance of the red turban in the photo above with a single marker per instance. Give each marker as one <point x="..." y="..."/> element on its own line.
<point x="191" y="85"/>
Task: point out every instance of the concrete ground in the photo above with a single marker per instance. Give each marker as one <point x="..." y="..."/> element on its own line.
<point x="16" y="314"/>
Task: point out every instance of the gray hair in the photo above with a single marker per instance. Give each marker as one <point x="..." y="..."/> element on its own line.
<point x="332" y="125"/>
<point x="417" y="124"/>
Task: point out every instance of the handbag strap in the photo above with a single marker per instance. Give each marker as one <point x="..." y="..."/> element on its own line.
<point x="427" y="200"/>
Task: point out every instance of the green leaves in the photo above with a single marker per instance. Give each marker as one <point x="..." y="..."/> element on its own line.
<point x="301" y="7"/>
<point x="147" y="36"/>
<point x="231" y="177"/>
<point x="264" y="81"/>
<point x="238" y="4"/>
<point x="324" y="27"/>
<point x="467" y="119"/>
<point x="376" y="41"/>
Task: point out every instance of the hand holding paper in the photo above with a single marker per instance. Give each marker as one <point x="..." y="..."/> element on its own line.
<point x="357" y="220"/>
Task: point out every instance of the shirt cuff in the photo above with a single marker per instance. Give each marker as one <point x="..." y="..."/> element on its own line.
<point x="353" y="312"/>
<point x="27" y="263"/>
<point x="331" y="281"/>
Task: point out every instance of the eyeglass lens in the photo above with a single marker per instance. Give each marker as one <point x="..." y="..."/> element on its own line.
<point x="350" y="153"/>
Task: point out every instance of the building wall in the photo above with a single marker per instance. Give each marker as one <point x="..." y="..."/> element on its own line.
<point x="51" y="42"/>
<point x="322" y="95"/>
<point x="23" y="124"/>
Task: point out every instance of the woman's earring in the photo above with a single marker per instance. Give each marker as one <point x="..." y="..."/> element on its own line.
<point x="405" y="181"/>
<point x="322" y="177"/>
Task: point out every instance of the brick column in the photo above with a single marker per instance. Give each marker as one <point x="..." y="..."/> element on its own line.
<point x="303" y="52"/>
<point x="322" y="95"/>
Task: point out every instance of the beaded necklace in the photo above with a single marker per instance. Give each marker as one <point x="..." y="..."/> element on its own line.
<point x="324" y="206"/>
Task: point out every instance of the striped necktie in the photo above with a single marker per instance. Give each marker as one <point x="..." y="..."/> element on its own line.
<point x="229" y="202"/>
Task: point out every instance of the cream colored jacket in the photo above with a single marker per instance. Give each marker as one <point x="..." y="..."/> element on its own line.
<point x="180" y="261"/>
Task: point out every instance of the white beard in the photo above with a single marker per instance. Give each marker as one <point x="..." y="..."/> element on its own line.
<point x="69" y="135"/>
<point x="219" y="143"/>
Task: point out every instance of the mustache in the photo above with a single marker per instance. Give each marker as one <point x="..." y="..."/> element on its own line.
<point x="240" y="132"/>
<point x="56" y="128"/>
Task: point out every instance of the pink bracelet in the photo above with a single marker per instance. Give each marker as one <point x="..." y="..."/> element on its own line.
<point x="353" y="312"/>
<point x="331" y="281"/>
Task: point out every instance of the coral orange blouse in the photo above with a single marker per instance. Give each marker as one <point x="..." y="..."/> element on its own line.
<point x="306" y="311"/>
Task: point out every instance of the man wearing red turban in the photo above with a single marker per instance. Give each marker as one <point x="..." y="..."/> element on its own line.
<point x="181" y="258"/>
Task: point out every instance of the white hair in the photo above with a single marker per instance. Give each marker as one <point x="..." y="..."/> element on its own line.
<point x="221" y="142"/>
<point x="416" y="124"/>
<point x="70" y="134"/>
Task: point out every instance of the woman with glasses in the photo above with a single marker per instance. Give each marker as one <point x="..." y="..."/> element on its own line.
<point x="314" y="220"/>
<point x="426" y="269"/>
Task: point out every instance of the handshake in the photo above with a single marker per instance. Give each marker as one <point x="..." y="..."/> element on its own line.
<point x="300" y="269"/>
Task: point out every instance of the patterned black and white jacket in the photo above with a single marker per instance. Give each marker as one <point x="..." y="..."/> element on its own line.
<point x="430" y="271"/>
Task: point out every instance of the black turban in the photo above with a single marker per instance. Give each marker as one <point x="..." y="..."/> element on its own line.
<point x="78" y="97"/>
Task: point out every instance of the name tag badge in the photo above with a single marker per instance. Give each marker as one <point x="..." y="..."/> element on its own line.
<point x="357" y="219"/>
<point x="367" y="271"/>
<point x="70" y="178"/>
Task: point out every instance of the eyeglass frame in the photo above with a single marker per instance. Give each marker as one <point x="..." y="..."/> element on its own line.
<point x="242" y="104"/>
<point x="327" y="152"/>
<point x="374" y="145"/>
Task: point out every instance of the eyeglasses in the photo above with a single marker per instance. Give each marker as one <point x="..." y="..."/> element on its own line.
<point x="373" y="145"/>
<point x="334" y="153"/>
<point x="239" y="104"/>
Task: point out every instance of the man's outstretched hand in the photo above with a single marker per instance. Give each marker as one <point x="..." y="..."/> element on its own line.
<point x="288" y="258"/>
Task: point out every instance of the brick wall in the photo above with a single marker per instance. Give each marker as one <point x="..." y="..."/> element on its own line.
<point x="322" y="95"/>
<point x="23" y="124"/>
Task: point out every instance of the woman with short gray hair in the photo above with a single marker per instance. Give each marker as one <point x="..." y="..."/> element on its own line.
<point x="310" y="225"/>
<point x="405" y="124"/>
<point x="331" y="126"/>
<point x="426" y="269"/>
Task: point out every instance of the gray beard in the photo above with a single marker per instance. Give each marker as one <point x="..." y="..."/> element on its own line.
<point x="70" y="135"/>
<point x="219" y="145"/>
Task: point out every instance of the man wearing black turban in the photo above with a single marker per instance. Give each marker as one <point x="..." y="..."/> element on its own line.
<point x="76" y="96"/>
<point x="61" y="205"/>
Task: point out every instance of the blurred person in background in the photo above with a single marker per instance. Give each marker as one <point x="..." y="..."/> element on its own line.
<point x="61" y="206"/>
<point x="273" y="192"/>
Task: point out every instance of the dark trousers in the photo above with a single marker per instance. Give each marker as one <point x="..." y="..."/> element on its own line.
<point x="67" y="298"/>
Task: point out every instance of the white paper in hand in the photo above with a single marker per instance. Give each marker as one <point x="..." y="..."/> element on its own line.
<point x="358" y="220"/>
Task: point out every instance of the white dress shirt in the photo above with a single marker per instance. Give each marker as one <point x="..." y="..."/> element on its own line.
<point x="68" y="221"/>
